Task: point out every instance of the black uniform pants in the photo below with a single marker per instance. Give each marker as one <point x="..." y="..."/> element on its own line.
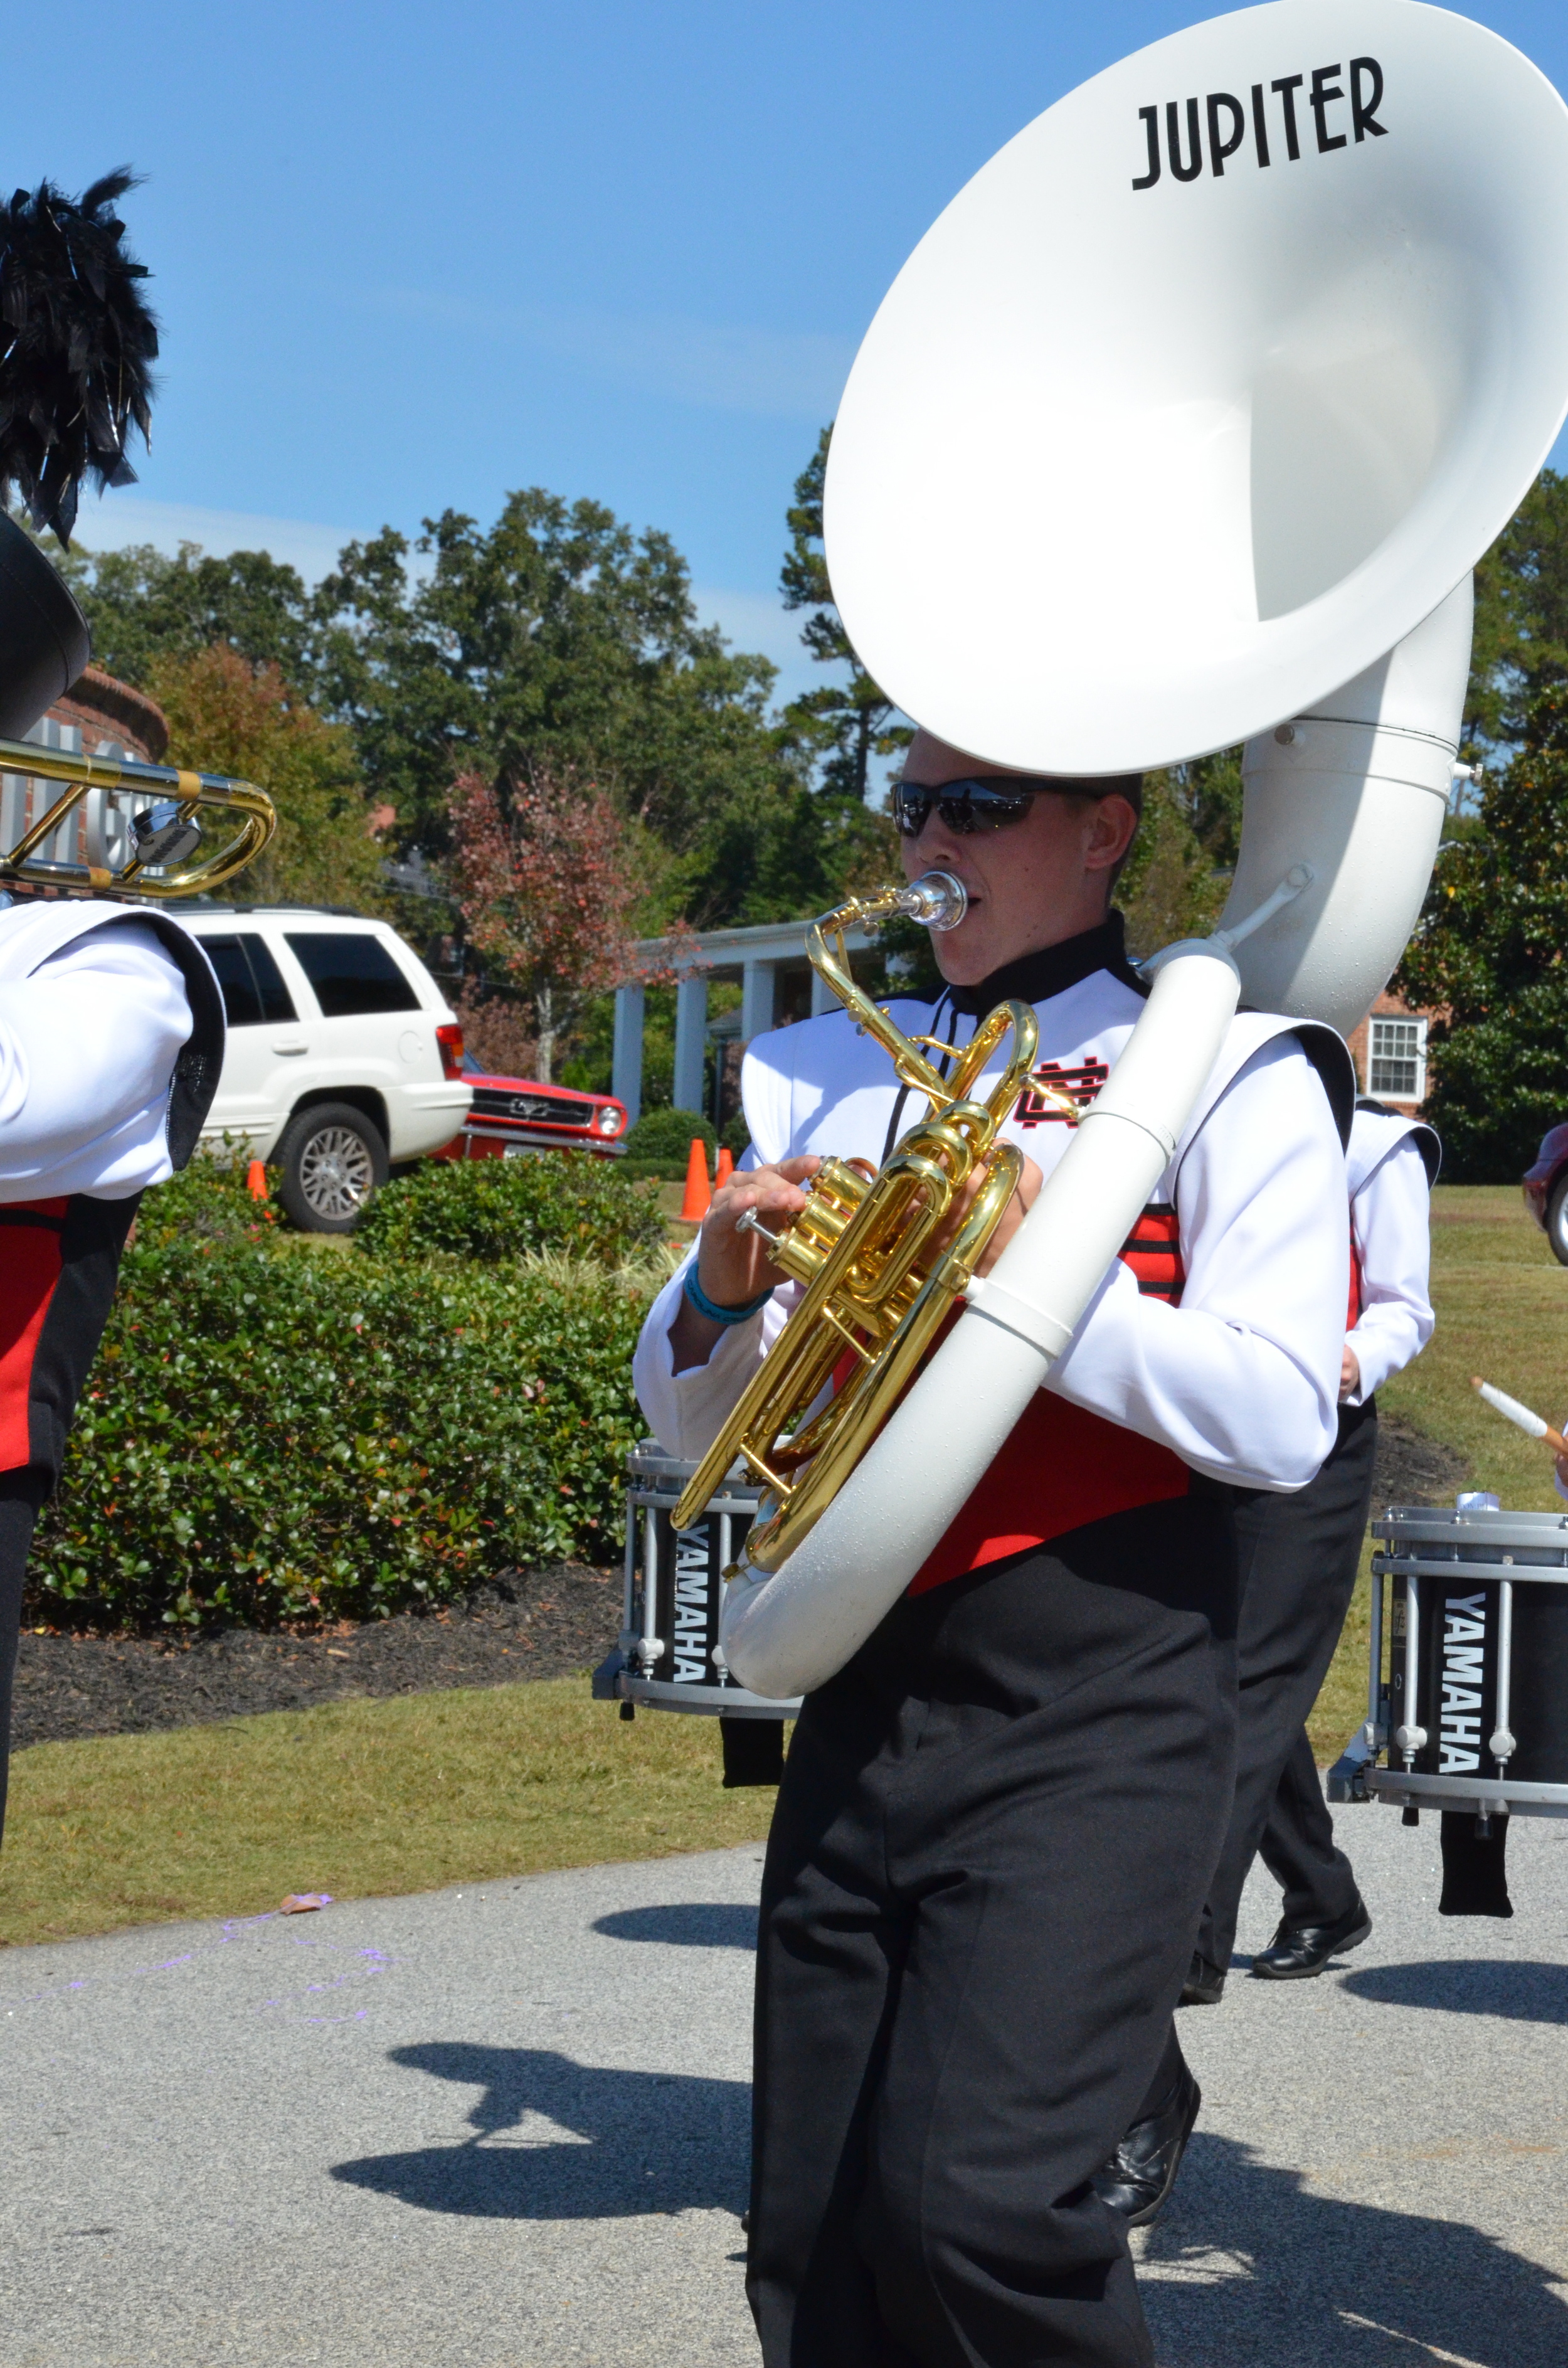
<point x="1299" y="1849"/>
<point x="21" y="1494"/>
<point x="992" y="1841"/>
<point x="1299" y="1557"/>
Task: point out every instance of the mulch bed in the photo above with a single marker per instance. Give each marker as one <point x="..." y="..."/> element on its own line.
<point x="541" y="1623"/>
<point x="1412" y="1469"/>
<point x="538" y="1623"/>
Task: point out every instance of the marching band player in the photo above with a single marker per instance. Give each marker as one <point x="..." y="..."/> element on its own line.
<point x="1299" y="1556"/>
<point x="1392" y="1166"/>
<point x="111" y="1041"/>
<point x="111" y="1022"/>
<point x="998" y="1821"/>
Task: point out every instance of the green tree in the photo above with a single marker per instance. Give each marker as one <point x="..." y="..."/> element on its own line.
<point x="1490" y="956"/>
<point x="558" y="637"/>
<point x="843" y="724"/>
<point x="1521" y="618"/>
<point x="1170" y="887"/>
<point x="144" y="606"/>
<point x="227" y="716"/>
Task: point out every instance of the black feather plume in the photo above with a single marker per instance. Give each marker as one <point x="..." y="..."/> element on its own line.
<point x="76" y="344"/>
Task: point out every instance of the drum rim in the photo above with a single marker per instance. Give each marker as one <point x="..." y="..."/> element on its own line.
<point x="649" y="1460"/>
<point x="732" y="1702"/>
<point x="1526" y="1798"/>
<point x="1443" y="1525"/>
<point x="1475" y="1568"/>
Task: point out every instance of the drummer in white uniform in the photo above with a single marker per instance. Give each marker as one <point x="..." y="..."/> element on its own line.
<point x="1297" y="1586"/>
<point x="1299" y="1557"/>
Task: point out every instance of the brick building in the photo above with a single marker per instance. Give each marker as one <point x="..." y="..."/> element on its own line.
<point x="1389" y="1052"/>
<point x="110" y="719"/>
<point x="98" y="717"/>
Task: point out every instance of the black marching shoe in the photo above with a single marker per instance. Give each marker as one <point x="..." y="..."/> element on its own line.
<point x="1299" y="1951"/>
<point x="1205" y="1983"/>
<point x="1142" y="2171"/>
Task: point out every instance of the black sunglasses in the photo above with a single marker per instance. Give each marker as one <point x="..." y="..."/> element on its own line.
<point x="964" y="806"/>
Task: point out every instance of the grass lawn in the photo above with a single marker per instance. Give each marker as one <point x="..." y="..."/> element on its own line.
<point x="377" y="1797"/>
<point x="357" y="1799"/>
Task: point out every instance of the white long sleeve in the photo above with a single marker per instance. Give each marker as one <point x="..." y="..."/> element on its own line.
<point x="88" y="1043"/>
<point x="1390" y="1218"/>
<point x="1241" y="1380"/>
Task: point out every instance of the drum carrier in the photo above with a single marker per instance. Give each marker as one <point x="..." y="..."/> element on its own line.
<point x="668" y="1655"/>
<point x="1473" y="1712"/>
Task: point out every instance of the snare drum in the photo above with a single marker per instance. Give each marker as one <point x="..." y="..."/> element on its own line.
<point x="1474" y="1707"/>
<point x="668" y="1656"/>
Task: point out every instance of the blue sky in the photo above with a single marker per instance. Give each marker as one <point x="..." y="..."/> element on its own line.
<point x="409" y="256"/>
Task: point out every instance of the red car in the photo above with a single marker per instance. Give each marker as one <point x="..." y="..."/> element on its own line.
<point x="511" y="1115"/>
<point x="1546" y="1190"/>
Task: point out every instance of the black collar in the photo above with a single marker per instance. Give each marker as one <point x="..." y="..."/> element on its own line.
<point x="1034" y="978"/>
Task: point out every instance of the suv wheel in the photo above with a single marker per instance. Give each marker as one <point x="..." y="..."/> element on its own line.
<point x="1557" y="1220"/>
<point x="333" y="1158"/>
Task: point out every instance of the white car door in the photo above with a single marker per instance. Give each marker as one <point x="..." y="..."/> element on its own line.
<point x="264" y="1055"/>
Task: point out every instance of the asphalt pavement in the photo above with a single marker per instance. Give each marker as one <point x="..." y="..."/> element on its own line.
<point x="505" y="2127"/>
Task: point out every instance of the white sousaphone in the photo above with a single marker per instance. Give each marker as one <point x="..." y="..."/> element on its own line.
<point x="1185" y="424"/>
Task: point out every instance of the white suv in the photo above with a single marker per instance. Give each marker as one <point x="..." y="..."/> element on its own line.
<point x="343" y="1056"/>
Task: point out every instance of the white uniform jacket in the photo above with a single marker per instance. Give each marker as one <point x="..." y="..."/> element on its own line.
<point x="111" y="1042"/>
<point x="1391" y="1166"/>
<point x="1241" y="1380"/>
<point x="95" y="1013"/>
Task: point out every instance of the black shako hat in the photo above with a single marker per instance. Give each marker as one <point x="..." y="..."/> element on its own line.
<point x="45" y="639"/>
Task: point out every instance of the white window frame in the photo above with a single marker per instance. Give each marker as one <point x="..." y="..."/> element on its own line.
<point x="1396" y="1019"/>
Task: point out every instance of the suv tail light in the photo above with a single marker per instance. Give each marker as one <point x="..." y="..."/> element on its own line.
<point x="449" y="1044"/>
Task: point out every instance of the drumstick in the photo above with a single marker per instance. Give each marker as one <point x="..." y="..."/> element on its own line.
<point x="1514" y="1412"/>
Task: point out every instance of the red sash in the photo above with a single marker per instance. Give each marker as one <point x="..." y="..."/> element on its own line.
<point x="1061" y="1467"/>
<point x="29" y="1270"/>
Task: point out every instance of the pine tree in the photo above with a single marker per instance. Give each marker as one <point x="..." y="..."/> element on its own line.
<point x="1490" y="956"/>
<point x="843" y="724"/>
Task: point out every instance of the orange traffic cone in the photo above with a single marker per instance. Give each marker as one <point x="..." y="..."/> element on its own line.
<point x="699" y="1192"/>
<point x="255" y="1178"/>
<point x="725" y="1168"/>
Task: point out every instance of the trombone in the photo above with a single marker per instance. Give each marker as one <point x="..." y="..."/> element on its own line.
<point x="166" y="852"/>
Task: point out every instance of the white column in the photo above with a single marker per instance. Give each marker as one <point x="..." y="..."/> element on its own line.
<point x="822" y="996"/>
<point x="625" y="1066"/>
<point x="691" y="1041"/>
<point x="756" y="999"/>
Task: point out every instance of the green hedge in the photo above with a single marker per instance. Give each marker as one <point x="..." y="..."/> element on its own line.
<point x="564" y="1201"/>
<point x="666" y="1135"/>
<point x="277" y="1428"/>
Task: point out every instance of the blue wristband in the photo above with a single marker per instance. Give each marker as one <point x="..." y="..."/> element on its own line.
<point x="715" y="1314"/>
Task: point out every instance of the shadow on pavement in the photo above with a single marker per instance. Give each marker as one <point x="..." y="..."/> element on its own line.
<point x="1518" y="1991"/>
<point x="1249" y="2265"/>
<point x="616" y="2143"/>
<point x="695" y="1924"/>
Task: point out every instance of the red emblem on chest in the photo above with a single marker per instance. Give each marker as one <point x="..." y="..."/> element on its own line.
<point x="1080" y="1085"/>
